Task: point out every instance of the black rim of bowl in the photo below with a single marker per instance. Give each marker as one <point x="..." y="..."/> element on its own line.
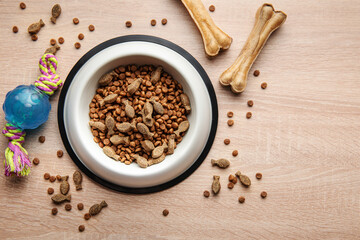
<point x="183" y="53"/>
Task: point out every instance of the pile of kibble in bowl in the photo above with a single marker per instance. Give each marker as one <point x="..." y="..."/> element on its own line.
<point x="139" y="114"/>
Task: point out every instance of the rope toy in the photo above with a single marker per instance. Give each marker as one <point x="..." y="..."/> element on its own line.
<point x="27" y="107"/>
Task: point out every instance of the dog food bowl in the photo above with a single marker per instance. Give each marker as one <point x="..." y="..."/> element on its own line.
<point x="79" y="89"/>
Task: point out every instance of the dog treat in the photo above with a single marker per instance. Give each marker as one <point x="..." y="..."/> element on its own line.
<point x="91" y="28"/>
<point x="134" y="86"/>
<point x="76" y="21"/>
<point x="230" y="122"/>
<point x="165" y="212"/>
<point x="158" y="107"/>
<point x="111" y="153"/>
<point x="158" y="151"/>
<point x="263" y="85"/>
<point x="256" y="73"/>
<point x="155" y="75"/>
<point x="81" y="228"/>
<point x="245" y="180"/>
<point x="221" y="163"/>
<point x="116" y="140"/>
<point x="22" y="5"/>
<point x="98" y="125"/>
<point x="15" y="29"/>
<point x="153" y="22"/>
<point x="186" y="102"/>
<point x="81" y="36"/>
<point x="36" y="161"/>
<point x="54" y="211"/>
<point x="235" y="153"/>
<point x="206" y="193"/>
<point x="241" y="199"/>
<point x="141" y="161"/>
<point x="213" y="37"/>
<point x="110" y="124"/>
<point x="55" y="13"/>
<point x="258" y="176"/>
<point x="267" y="21"/>
<point x="87" y="216"/>
<point x="96" y="208"/>
<point x="250" y="103"/>
<point x="153" y="161"/>
<point x="129" y="110"/>
<point x="211" y="8"/>
<point x="226" y="141"/>
<point x="53" y="49"/>
<point x="147" y="145"/>
<point x="183" y="127"/>
<point x="65" y="178"/>
<point x="128" y="24"/>
<point x="59" y="153"/>
<point x="126" y="126"/>
<point x="215" y="187"/>
<point x="106" y="79"/>
<point x="68" y="207"/>
<point x="80" y="206"/>
<point x="232" y="179"/>
<point x="263" y="194"/>
<point x="148" y="111"/>
<point x="164" y="21"/>
<point x="248" y="115"/>
<point x="77" y="177"/>
<point x="35" y="27"/>
<point x="50" y="191"/>
<point x="60" y="198"/>
<point x="144" y="130"/>
<point x="64" y="187"/>
<point x="42" y="139"/>
<point x="77" y="45"/>
<point x="171" y="144"/>
<point x="108" y="99"/>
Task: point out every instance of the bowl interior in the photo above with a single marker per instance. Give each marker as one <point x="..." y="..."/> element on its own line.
<point x="82" y="90"/>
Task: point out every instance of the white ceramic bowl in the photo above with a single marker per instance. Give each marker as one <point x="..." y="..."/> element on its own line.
<point x="79" y="89"/>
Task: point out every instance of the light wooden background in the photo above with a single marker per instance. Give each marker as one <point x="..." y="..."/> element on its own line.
<point x="303" y="136"/>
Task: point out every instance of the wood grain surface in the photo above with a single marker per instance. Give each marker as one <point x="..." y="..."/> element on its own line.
<point x="303" y="136"/>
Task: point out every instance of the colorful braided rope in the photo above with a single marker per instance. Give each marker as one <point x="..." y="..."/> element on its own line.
<point x="48" y="81"/>
<point x="16" y="157"/>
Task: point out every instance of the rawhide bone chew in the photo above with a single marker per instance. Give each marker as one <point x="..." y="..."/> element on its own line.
<point x="213" y="37"/>
<point x="267" y="21"/>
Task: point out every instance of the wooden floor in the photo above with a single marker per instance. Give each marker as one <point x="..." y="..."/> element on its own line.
<point x="303" y="136"/>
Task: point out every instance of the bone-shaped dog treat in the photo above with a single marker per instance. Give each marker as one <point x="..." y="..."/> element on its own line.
<point x="213" y="37"/>
<point x="267" y="21"/>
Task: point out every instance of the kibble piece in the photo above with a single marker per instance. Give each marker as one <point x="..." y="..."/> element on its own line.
<point x="61" y="40"/>
<point x="230" y="185"/>
<point x="256" y="73"/>
<point x="22" y="5"/>
<point x="250" y="103"/>
<point x="206" y="193"/>
<point x="153" y="22"/>
<point x="241" y="199"/>
<point x="91" y="27"/>
<point x="81" y="228"/>
<point x="42" y="139"/>
<point x="165" y="212"/>
<point x="230" y="114"/>
<point x="80" y="206"/>
<point x="52" y="42"/>
<point x="52" y="179"/>
<point x="212" y="8"/>
<point x="59" y="153"/>
<point x="263" y="194"/>
<point x="226" y="141"/>
<point x="235" y="153"/>
<point x="47" y="176"/>
<point x="128" y="24"/>
<point x="87" y="216"/>
<point x="58" y="177"/>
<point x="68" y="207"/>
<point x="50" y="190"/>
<point x="232" y="179"/>
<point x="230" y="122"/>
<point x="34" y="37"/>
<point x="15" y="29"/>
<point x="76" y="21"/>
<point x="36" y="161"/>
<point x="164" y="21"/>
<point x="258" y="176"/>
<point x="81" y="36"/>
<point x="263" y="85"/>
<point x="54" y="211"/>
<point x="248" y="115"/>
<point x="77" y="45"/>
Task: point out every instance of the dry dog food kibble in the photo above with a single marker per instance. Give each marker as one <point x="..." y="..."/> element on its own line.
<point x="61" y="40"/>
<point x="230" y="114"/>
<point x="59" y="153"/>
<point x="258" y="176"/>
<point x="91" y="27"/>
<point x="80" y="206"/>
<point x="47" y="176"/>
<point x="87" y="216"/>
<point x="230" y="122"/>
<point x="165" y="212"/>
<point x="22" y="5"/>
<point x="15" y="29"/>
<point x="250" y="103"/>
<point x="263" y="194"/>
<point x="58" y="177"/>
<point x="76" y="21"/>
<point x="206" y="193"/>
<point x="54" y="211"/>
<point x="52" y="179"/>
<point x="232" y="179"/>
<point x="230" y="185"/>
<point x="77" y="45"/>
<point x="128" y="24"/>
<point x="36" y="161"/>
<point x="212" y="8"/>
<point x="256" y="73"/>
<point x="52" y="42"/>
<point x="81" y="36"/>
<point x="164" y="21"/>
<point x="248" y="115"/>
<point x="226" y="141"/>
<point x="50" y="191"/>
<point x="34" y="37"/>
<point x="153" y="22"/>
<point x="241" y="199"/>
<point x="68" y="207"/>
<point x="81" y="228"/>
<point x="42" y="139"/>
<point x="263" y="85"/>
<point x="139" y="114"/>
<point x="235" y="153"/>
